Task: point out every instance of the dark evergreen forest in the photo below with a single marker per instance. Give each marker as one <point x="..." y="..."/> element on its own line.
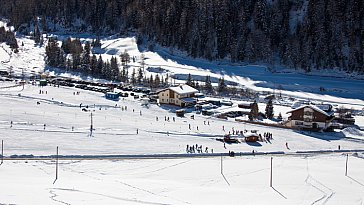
<point x="301" y="34"/>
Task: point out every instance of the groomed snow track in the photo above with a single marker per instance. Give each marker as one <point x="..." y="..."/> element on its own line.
<point x="173" y="156"/>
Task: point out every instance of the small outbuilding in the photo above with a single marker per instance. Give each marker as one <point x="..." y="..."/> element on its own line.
<point x="112" y="95"/>
<point x="180" y="113"/>
<point x="43" y="83"/>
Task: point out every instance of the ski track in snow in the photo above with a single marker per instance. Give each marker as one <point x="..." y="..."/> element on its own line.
<point x="326" y="191"/>
<point x="128" y="184"/>
<point x="54" y="196"/>
<point x="103" y="195"/>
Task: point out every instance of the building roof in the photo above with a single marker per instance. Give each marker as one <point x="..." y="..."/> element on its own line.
<point x="325" y="107"/>
<point x="112" y="93"/>
<point x="184" y="89"/>
<point x="313" y="108"/>
<point x="181" y="89"/>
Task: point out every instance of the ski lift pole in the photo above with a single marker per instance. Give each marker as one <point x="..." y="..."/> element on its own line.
<point x="91" y="126"/>
<point x="271" y="172"/>
<point x="56" y="166"/>
<point x="2" y="151"/>
<point x="346" y="165"/>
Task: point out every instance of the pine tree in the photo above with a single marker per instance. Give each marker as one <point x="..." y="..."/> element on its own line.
<point x="151" y="81"/>
<point x="132" y="78"/>
<point x="93" y="64"/>
<point x="140" y="75"/>
<point x="221" y="86"/>
<point x="124" y="74"/>
<point x="99" y="66"/>
<point x="254" y="112"/>
<point x="166" y="80"/>
<point x="114" y="68"/>
<point x="53" y="53"/>
<point x="36" y="34"/>
<point x="157" y="81"/>
<point x="142" y="61"/>
<point x="189" y="80"/>
<point x="124" y="58"/>
<point x="269" y="109"/>
<point x="208" y="86"/>
<point x="280" y="118"/>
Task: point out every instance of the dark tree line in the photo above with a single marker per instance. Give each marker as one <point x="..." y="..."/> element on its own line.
<point x="302" y="34"/>
<point x="72" y="55"/>
<point x="8" y="37"/>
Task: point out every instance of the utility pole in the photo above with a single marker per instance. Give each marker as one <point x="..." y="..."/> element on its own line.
<point x="221" y="166"/>
<point x="23" y="77"/>
<point x="271" y="172"/>
<point x="346" y="165"/>
<point x="2" y="152"/>
<point x="56" y="166"/>
<point x="91" y="126"/>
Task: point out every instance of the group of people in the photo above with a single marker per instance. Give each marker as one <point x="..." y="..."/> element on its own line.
<point x="197" y="149"/>
<point x="267" y="136"/>
<point x="42" y="92"/>
<point x="166" y="119"/>
<point x="124" y="108"/>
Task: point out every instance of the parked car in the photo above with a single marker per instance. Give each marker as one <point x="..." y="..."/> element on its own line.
<point x="226" y="102"/>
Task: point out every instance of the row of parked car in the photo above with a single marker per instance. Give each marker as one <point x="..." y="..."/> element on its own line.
<point x="100" y="87"/>
<point x="204" y="107"/>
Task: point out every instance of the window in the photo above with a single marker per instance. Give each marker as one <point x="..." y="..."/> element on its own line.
<point x="298" y="123"/>
<point x="162" y="94"/>
<point x="307" y="119"/>
<point x="162" y="100"/>
<point x="308" y="113"/>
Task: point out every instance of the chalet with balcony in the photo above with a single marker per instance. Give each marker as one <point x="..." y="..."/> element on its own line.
<point x="311" y="117"/>
<point x="182" y="95"/>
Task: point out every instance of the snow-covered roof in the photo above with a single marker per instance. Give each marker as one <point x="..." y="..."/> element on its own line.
<point x="313" y="108"/>
<point x="183" y="89"/>
<point x="325" y="107"/>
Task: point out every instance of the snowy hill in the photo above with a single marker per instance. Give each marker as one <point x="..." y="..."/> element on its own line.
<point x="256" y="77"/>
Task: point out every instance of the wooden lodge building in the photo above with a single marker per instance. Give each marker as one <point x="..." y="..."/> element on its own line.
<point x="310" y="117"/>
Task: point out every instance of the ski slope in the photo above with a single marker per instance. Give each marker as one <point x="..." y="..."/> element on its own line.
<point x="35" y="120"/>
<point x="298" y="179"/>
<point x="245" y="180"/>
<point x="132" y="131"/>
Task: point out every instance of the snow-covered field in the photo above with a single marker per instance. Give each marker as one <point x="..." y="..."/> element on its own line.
<point x="245" y="180"/>
<point x="35" y="120"/>
<point x="314" y="179"/>
<point x="116" y="128"/>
